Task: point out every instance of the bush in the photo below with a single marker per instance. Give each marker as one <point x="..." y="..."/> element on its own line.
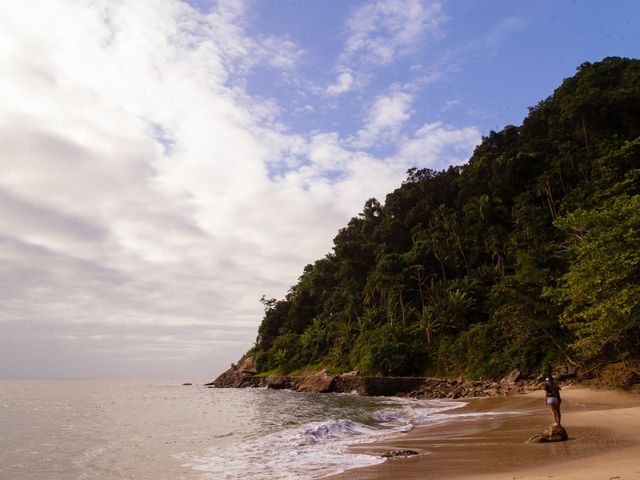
<point x="388" y="350"/>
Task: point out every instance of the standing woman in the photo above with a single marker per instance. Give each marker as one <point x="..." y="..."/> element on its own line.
<point x="552" y="398"/>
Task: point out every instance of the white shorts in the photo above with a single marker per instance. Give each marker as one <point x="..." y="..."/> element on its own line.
<point x="552" y="401"/>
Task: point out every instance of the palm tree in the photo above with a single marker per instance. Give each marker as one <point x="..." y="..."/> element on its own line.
<point x="457" y="304"/>
<point x="314" y="339"/>
<point x="428" y="324"/>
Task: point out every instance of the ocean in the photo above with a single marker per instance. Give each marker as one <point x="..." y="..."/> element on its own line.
<point x="136" y="429"/>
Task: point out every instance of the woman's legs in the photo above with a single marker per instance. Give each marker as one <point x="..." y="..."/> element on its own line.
<point x="555" y="411"/>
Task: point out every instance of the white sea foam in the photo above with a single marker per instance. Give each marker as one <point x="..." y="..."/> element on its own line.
<point x="312" y="450"/>
<point x="317" y="449"/>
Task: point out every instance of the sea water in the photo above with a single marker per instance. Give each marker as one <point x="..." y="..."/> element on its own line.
<point x="117" y="429"/>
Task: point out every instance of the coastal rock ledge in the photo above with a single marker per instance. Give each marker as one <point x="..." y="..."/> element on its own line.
<point x="243" y="375"/>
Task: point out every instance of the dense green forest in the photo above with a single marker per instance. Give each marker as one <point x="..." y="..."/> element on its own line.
<point x="525" y="257"/>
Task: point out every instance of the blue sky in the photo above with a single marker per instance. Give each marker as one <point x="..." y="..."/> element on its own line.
<point x="166" y="163"/>
<point x="490" y="60"/>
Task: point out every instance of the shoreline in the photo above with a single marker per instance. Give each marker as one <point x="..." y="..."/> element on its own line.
<point x="603" y="426"/>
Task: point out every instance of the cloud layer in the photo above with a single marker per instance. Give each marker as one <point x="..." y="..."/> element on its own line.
<point x="148" y="200"/>
<point x="381" y="31"/>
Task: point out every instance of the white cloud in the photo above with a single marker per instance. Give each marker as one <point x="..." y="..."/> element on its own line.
<point x="384" y="120"/>
<point x="380" y="31"/>
<point x="138" y="200"/>
<point x="106" y="225"/>
<point x="342" y="85"/>
<point x="437" y="146"/>
<point x="278" y="52"/>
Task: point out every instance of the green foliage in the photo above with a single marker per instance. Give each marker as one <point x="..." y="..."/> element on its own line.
<point x="477" y="353"/>
<point x="525" y="256"/>
<point x="601" y="291"/>
<point x="388" y="350"/>
<point x="286" y="354"/>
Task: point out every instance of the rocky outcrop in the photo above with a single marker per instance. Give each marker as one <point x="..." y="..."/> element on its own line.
<point x="416" y="387"/>
<point x="244" y="375"/>
<point x="377" y="386"/>
<point x="460" y="388"/>
<point x="321" y="383"/>
<point x="237" y="380"/>
<point x="554" y="433"/>
<point x="324" y="383"/>
<point x="240" y="375"/>
<point x="366" y="386"/>
<point x="278" y="382"/>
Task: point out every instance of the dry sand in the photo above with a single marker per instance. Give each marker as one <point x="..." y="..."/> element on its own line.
<point x="603" y="426"/>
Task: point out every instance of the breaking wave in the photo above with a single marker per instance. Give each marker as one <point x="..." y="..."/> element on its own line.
<point x="317" y="449"/>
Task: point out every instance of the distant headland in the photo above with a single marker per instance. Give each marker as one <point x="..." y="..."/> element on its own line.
<point x="526" y="259"/>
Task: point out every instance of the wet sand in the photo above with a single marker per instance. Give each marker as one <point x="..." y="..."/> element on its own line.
<point x="603" y="426"/>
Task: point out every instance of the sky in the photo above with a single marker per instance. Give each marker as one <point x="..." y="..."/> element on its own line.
<point x="165" y="163"/>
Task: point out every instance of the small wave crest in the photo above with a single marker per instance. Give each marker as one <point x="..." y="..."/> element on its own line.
<point x="309" y="451"/>
<point x="333" y="429"/>
<point x="317" y="449"/>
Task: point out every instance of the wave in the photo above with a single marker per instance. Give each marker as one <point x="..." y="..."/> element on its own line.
<point x="309" y="451"/>
<point x="335" y="429"/>
<point x="317" y="449"/>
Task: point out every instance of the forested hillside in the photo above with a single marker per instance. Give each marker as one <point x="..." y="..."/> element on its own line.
<point x="525" y="257"/>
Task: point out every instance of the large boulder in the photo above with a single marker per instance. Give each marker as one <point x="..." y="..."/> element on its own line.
<point x="240" y="375"/>
<point x="321" y="382"/>
<point x="554" y="433"/>
<point x="282" y="382"/>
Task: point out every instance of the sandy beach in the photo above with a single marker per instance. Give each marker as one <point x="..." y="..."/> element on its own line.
<point x="604" y="443"/>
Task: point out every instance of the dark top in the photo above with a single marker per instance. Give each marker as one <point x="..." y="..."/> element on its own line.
<point x="552" y="390"/>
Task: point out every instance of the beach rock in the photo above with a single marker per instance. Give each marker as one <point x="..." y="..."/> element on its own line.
<point x="377" y="386"/>
<point x="241" y="380"/>
<point x="240" y="375"/>
<point x="277" y="382"/>
<point x="554" y="433"/>
<point x="321" y="382"/>
<point x="247" y="364"/>
<point x="243" y="375"/>
<point x="399" y="453"/>
<point x="512" y="377"/>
